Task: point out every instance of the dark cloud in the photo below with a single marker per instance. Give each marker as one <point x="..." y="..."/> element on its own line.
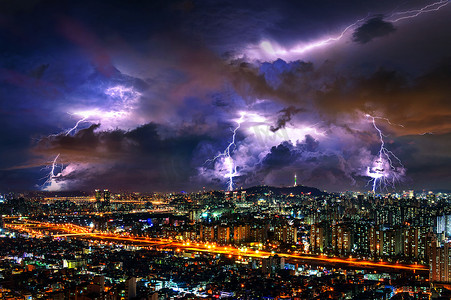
<point x="373" y="28"/>
<point x="420" y="104"/>
<point x="284" y="117"/>
<point x="187" y="71"/>
<point x="136" y="159"/>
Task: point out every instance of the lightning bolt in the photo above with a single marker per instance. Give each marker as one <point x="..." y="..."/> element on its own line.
<point x="274" y="50"/>
<point x="124" y="101"/>
<point x="321" y="43"/>
<point x="227" y="158"/>
<point x="384" y="171"/>
<point x="76" y="125"/>
<point x="269" y="48"/>
<point x="408" y="14"/>
<point x="50" y="182"/>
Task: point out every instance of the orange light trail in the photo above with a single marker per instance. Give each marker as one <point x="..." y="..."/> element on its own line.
<point x="84" y="232"/>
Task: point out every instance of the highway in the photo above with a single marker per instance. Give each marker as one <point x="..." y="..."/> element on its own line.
<point x="37" y="229"/>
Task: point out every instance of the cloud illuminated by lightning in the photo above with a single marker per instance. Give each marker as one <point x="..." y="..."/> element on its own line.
<point x="387" y="168"/>
<point x="273" y="50"/>
<point x="51" y="184"/>
<point x="226" y="158"/>
<point x="124" y="101"/>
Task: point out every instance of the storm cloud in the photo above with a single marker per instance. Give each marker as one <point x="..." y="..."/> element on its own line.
<point x="145" y="95"/>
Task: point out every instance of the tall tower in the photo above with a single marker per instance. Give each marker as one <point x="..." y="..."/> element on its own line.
<point x="295" y="179"/>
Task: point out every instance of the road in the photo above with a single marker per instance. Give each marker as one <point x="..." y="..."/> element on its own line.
<point x="61" y="230"/>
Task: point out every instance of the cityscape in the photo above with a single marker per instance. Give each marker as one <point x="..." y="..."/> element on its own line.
<point x="222" y="149"/>
<point x="297" y="242"/>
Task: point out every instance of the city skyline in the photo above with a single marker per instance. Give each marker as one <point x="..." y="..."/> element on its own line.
<point x="182" y="95"/>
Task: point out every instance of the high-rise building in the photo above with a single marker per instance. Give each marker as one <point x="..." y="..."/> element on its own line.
<point x="259" y="233"/>
<point x="443" y="224"/>
<point x="317" y="238"/>
<point x="375" y="240"/>
<point x="411" y="239"/>
<point x="207" y="233"/>
<point x="106" y="196"/>
<point x="130" y="286"/>
<point x="241" y="233"/>
<point x="286" y="234"/>
<point x="440" y="264"/>
<point x="342" y="239"/>
<point x="223" y="234"/>
<point x="98" y="195"/>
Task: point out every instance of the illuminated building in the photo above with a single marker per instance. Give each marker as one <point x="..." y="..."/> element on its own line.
<point x="194" y="215"/>
<point x="443" y="225"/>
<point x="411" y="238"/>
<point x="259" y="233"/>
<point x="227" y="196"/>
<point x="106" y="196"/>
<point x="235" y="196"/>
<point x="207" y="233"/>
<point x="376" y="239"/>
<point x="361" y="237"/>
<point x="98" y="195"/>
<point x="440" y="264"/>
<point x="241" y="233"/>
<point x="317" y="238"/>
<point x="286" y="234"/>
<point x="392" y="242"/>
<point x="341" y="239"/>
<point x="190" y="235"/>
<point x="223" y="234"/>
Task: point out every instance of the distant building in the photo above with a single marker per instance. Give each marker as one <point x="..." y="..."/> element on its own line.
<point x="106" y="196"/>
<point x="98" y="195"/>
<point x="243" y="196"/>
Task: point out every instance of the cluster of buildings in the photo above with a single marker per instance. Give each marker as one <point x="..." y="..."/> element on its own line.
<point x="404" y="228"/>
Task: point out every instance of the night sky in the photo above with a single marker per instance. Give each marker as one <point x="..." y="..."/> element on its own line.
<point x="146" y="95"/>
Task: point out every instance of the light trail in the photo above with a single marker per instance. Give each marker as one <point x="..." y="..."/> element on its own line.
<point x="84" y="232"/>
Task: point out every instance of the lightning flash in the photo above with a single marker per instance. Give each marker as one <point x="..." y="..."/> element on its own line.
<point x="387" y="168"/>
<point x="226" y="158"/>
<point x="272" y="49"/>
